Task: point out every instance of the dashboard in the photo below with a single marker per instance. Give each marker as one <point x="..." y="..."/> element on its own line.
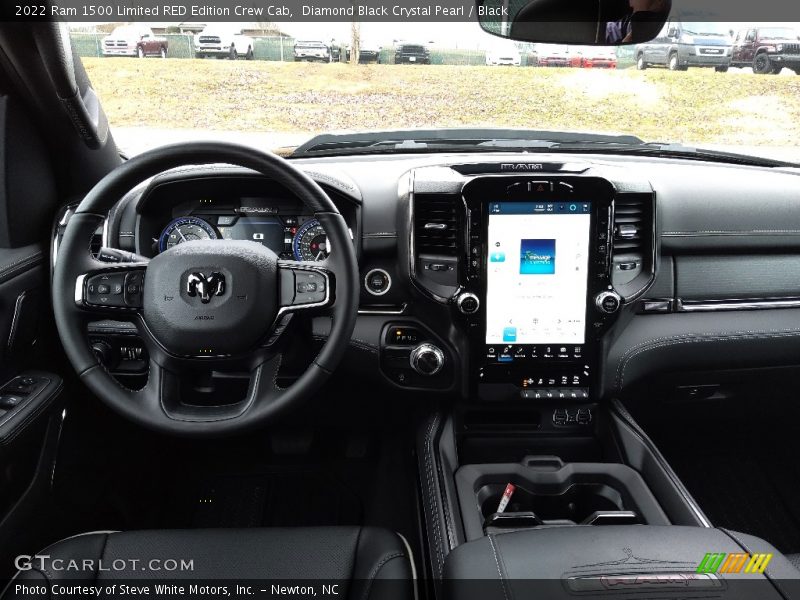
<point x="506" y="278"/>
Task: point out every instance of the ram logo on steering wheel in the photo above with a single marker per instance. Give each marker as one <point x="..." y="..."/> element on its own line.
<point x="199" y="285"/>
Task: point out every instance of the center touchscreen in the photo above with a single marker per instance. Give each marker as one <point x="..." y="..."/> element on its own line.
<point x="537" y="270"/>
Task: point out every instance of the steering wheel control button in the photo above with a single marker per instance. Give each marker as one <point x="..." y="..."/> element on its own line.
<point x="468" y="303"/>
<point x="377" y="282"/>
<point x="310" y="287"/>
<point x="608" y="302"/>
<point x="106" y="289"/>
<point x="427" y="359"/>
<point x="134" y="284"/>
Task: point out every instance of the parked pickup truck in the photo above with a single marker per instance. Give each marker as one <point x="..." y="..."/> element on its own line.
<point x="367" y="52"/>
<point x="134" y="40"/>
<point x="223" y="43"/>
<point x="315" y="51"/>
<point x="681" y="45"/>
<point x="412" y="54"/>
<point x="503" y="52"/>
<point x="767" y="49"/>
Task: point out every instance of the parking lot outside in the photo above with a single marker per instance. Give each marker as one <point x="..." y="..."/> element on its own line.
<point x="349" y="93"/>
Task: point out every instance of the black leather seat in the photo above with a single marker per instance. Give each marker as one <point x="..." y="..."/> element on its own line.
<point x="367" y="563"/>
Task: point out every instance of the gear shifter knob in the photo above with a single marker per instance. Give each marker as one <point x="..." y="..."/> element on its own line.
<point x="427" y="359"/>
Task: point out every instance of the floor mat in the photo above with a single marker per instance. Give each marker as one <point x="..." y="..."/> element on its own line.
<point x="746" y="477"/>
<point x="271" y="499"/>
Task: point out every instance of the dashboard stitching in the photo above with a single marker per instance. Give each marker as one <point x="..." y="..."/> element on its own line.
<point x="620" y="367"/>
<point x="693" y="339"/>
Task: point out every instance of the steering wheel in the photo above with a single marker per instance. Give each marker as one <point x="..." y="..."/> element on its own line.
<point x="205" y="304"/>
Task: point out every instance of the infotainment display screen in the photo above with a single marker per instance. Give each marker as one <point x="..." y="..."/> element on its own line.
<point x="536" y="272"/>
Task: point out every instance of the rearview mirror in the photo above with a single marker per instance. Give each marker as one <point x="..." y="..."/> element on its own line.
<point x="583" y="22"/>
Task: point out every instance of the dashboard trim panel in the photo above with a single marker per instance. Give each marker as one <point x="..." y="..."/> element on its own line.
<point x="735" y="304"/>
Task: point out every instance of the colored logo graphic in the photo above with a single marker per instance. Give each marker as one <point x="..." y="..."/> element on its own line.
<point x="537" y="257"/>
<point x="510" y="334"/>
<point x="736" y="562"/>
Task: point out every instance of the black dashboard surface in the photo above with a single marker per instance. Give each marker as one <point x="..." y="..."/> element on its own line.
<point x="725" y="242"/>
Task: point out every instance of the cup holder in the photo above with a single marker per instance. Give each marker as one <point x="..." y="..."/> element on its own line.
<point x="550" y="493"/>
<point x="577" y="504"/>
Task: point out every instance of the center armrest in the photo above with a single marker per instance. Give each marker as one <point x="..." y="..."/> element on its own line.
<point x="616" y="561"/>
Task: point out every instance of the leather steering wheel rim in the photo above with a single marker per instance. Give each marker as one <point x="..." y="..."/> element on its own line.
<point x="154" y="406"/>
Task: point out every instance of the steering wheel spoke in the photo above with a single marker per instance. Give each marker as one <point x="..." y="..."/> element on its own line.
<point x="111" y="291"/>
<point x="304" y="286"/>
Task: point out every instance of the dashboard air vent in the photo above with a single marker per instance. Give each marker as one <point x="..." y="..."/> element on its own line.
<point x="435" y="224"/>
<point x="633" y="244"/>
<point x="631" y="225"/>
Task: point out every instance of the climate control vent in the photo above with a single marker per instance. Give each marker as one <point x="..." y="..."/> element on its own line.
<point x="633" y="244"/>
<point x="435" y="225"/>
<point x="437" y="244"/>
<point x="630" y="227"/>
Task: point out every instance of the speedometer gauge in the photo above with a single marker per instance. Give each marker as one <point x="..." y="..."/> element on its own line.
<point x="185" y="229"/>
<point x="311" y="242"/>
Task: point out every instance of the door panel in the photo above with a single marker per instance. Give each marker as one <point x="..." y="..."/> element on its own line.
<point x="23" y="277"/>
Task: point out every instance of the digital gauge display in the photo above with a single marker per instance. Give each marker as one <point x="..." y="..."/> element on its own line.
<point x="308" y="242"/>
<point x="311" y="242"/>
<point x="185" y="229"/>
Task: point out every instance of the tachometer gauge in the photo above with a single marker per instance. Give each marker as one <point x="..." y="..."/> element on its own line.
<point x="185" y="229"/>
<point x="311" y="242"/>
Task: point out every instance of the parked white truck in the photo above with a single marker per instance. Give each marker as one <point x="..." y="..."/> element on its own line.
<point x="223" y="43"/>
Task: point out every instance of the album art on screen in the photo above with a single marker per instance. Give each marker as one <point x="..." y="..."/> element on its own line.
<point x="537" y="257"/>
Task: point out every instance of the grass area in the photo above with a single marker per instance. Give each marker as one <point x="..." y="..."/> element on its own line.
<point x="698" y="106"/>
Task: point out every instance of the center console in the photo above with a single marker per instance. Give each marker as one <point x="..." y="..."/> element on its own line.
<point x="535" y="482"/>
<point x="538" y="293"/>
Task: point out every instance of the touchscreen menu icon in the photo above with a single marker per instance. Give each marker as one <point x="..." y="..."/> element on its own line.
<point x="537" y="257"/>
<point x="510" y="334"/>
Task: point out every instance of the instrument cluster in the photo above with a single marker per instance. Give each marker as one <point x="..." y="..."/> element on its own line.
<point x="289" y="236"/>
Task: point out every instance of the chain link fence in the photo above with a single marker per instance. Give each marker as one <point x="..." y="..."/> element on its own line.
<point x="281" y="49"/>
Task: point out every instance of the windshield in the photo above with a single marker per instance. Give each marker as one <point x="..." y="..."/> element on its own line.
<point x="285" y="83"/>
